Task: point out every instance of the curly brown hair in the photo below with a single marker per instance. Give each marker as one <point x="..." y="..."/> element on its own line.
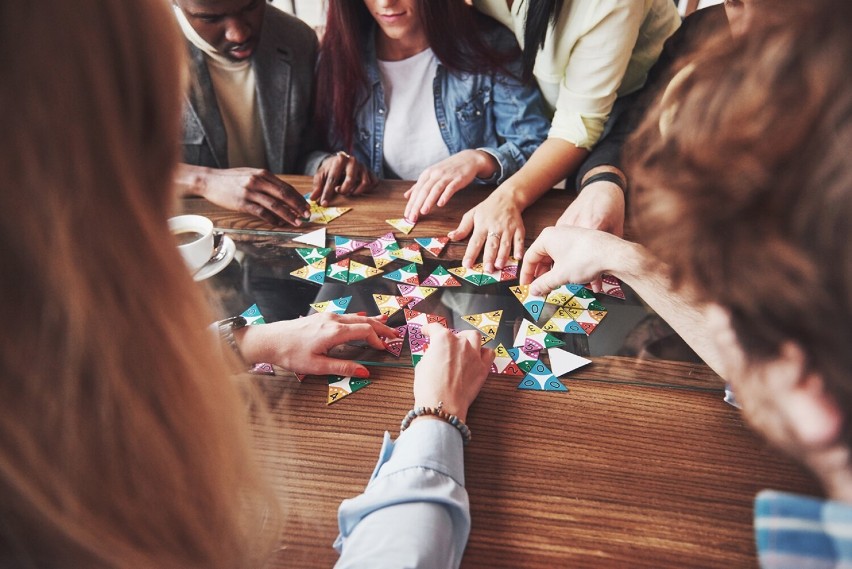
<point x="745" y="187"/>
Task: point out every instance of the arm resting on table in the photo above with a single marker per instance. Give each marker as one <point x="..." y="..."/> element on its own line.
<point x="415" y="511"/>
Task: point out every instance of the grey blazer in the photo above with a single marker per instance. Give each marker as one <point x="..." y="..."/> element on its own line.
<point x="284" y="67"/>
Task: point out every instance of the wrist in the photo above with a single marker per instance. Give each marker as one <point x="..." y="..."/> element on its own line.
<point x="487" y="165"/>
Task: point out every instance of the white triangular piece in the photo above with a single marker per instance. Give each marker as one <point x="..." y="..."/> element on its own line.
<point x="315" y="238"/>
<point x="562" y="362"/>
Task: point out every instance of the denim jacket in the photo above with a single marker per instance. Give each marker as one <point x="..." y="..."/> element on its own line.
<point x="491" y="111"/>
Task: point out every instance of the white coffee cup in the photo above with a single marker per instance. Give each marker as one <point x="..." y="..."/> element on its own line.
<point x="194" y="235"/>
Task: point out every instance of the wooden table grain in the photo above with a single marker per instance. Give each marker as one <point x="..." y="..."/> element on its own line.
<point x="641" y="464"/>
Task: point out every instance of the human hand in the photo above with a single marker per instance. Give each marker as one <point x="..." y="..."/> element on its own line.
<point x="599" y="206"/>
<point x="284" y="343"/>
<point x="570" y="255"/>
<point x="356" y="178"/>
<point x="452" y="371"/>
<point x="439" y="182"/>
<point x="254" y="191"/>
<point x="496" y="224"/>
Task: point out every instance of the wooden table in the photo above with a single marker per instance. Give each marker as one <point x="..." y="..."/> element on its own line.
<point x="641" y="465"/>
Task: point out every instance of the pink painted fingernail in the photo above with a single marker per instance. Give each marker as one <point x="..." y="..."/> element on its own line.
<point x="361" y="313"/>
<point x="362" y="372"/>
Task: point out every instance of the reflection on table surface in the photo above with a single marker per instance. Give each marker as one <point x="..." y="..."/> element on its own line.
<point x="261" y="275"/>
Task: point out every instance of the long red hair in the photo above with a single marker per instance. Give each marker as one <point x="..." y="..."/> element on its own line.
<point x="453" y="29"/>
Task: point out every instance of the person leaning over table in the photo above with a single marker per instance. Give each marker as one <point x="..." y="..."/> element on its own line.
<point x="248" y="111"/>
<point x="437" y="93"/>
<point x="582" y="56"/>
<point x="124" y="441"/>
<point x="603" y="167"/>
<point x="742" y="204"/>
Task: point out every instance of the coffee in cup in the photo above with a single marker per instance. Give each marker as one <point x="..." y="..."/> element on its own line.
<point x="194" y="236"/>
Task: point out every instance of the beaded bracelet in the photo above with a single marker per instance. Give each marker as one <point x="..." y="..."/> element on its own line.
<point x="439" y="413"/>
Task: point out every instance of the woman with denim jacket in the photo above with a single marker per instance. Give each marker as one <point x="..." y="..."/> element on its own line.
<point x="427" y="90"/>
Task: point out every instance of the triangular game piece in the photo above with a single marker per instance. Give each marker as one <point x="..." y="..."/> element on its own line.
<point x="503" y="362"/>
<point x="407" y="275"/>
<point x="540" y="378"/>
<point x="405" y="225"/>
<point x="324" y="215"/>
<point x="486" y="322"/>
<point x="315" y="238"/>
<point x="562" y="361"/>
<point x="315" y="272"/>
<point x="532" y="304"/>
<point x="415" y="293"/>
<point x="562" y="321"/>
<point x="389" y="304"/>
<point x="344" y="246"/>
<point x="359" y="272"/>
<point x="532" y="338"/>
<point x="336" y="306"/>
<point x="522" y="359"/>
<point x="433" y="245"/>
<point x="440" y="277"/>
<point x="312" y="255"/>
<point x="421" y="318"/>
<point x="472" y="275"/>
<point x="338" y="271"/>
<point x="610" y="286"/>
<point x="380" y="249"/>
<point x="563" y="294"/>
<point x="394" y="345"/>
<point x="253" y="316"/>
<point x="262" y="369"/>
<point x="409" y="253"/>
<point x="340" y="387"/>
<point x="509" y="271"/>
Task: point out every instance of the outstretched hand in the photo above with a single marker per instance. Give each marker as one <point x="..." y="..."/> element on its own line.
<point x="452" y="371"/>
<point x="570" y="255"/>
<point x="302" y="345"/>
<point x="439" y="182"/>
<point x="254" y="191"/>
<point x="496" y="228"/>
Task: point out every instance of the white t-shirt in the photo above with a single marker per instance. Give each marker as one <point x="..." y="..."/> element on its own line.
<point x="412" y="139"/>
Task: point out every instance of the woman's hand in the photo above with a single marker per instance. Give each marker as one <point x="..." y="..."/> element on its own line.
<point x="495" y="225"/>
<point x="341" y="174"/>
<point x="439" y="182"/>
<point x="452" y="371"/>
<point x="302" y="345"/>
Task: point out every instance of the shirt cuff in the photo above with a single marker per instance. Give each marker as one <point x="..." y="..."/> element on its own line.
<point x="431" y="444"/>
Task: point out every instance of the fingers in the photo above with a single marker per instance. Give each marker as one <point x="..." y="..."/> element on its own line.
<point x="318" y="184"/>
<point x="474" y="246"/>
<point x="413" y="204"/>
<point x="287" y="194"/>
<point x="464" y="228"/>
<point x="449" y="192"/>
<point x="518" y="246"/>
<point x="493" y="242"/>
<point x="366" y="183"/>
<point x="322" y="364"/>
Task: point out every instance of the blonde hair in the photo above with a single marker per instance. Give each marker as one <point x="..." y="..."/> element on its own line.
<point x="123" y="441"/>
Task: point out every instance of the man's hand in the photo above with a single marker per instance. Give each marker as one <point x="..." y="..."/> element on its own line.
<point x="341" y="174"/>
<point x="572" y="255"/>
<point x="248" y="190"/>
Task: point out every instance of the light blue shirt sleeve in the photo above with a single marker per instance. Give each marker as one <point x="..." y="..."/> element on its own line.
<point x="415" y="511"/>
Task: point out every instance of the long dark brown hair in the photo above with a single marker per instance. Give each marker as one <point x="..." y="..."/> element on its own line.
<point x="541" y="16"/>
<point x="453" y="29"/>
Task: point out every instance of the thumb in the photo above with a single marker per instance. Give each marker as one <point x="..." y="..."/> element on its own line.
<point x="544" y="284"/>
<point x="464" y="228"/>
<point x="343" y="368"/>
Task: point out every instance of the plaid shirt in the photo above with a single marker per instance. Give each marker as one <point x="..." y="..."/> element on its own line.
<point x="799" y="532"/>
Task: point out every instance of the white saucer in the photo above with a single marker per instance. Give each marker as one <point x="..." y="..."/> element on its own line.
<point x="211" y="269"/>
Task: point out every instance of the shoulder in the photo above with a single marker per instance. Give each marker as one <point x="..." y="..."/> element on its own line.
<point x="289" y="30"/>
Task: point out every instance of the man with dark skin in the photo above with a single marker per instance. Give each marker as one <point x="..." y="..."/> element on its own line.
<point x="248" y="111"/>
